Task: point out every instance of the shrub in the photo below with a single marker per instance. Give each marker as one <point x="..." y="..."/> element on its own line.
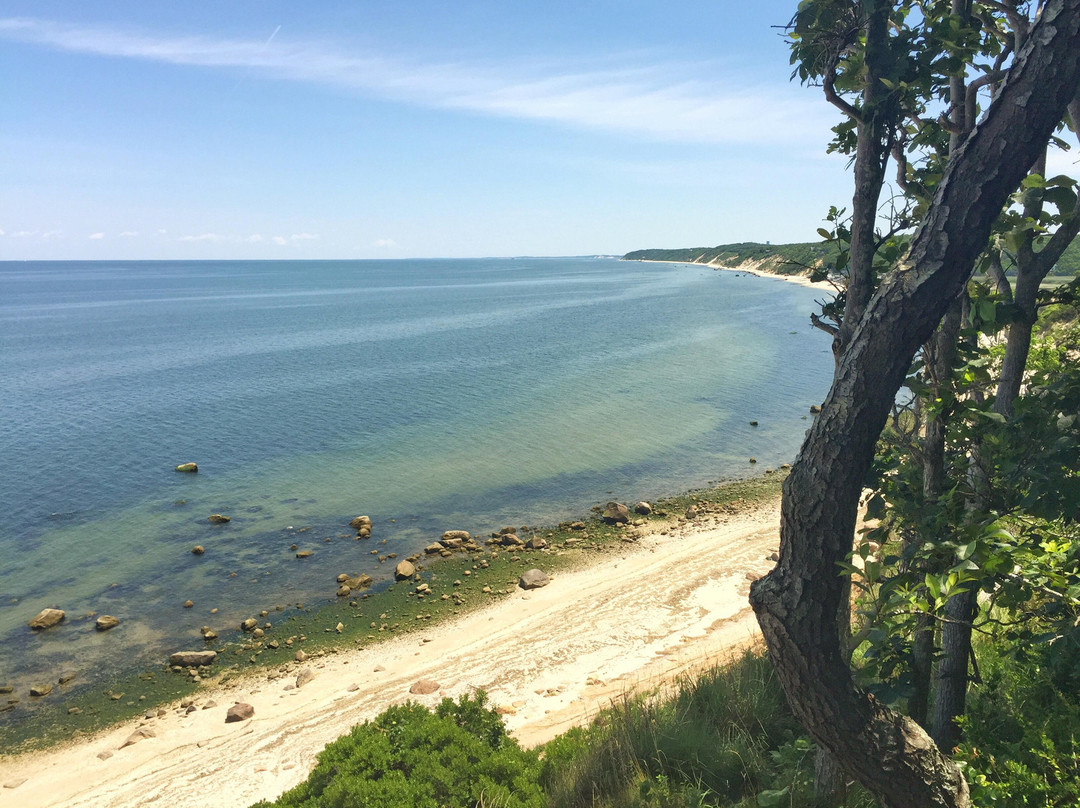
<point x="408" y="757"/>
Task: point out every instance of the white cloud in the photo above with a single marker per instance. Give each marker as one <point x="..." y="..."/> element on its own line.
<point x="129" y="233"/>
<point x="25" y="233"/>
<point x="1" y="232"/>
<point x="385" y="243"/>
<point x="280" y="240"/>
<point x="202" y="237"/>
<point x="688" y="101"/>
<point x="254" y="238"/>
<point x="303" y="237"/>
<point x="96" y="236"/>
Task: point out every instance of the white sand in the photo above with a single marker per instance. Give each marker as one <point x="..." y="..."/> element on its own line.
<point x="755" y="268"/>
<point x="551" y="658"/>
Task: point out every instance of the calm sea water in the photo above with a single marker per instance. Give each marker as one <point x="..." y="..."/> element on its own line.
<point x="438" y="394"/>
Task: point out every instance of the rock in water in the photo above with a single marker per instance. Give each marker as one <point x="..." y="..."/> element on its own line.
<point x="198" y="549"/>
<point x="193" y="659"/>
<point x="361" y="522"/>
<point x="38" y="691"/>
<point x="218" y="519"/>
<point x="46" y="618"/>
<point x="615" y="513"/>
<point x="239" y="712"/>
<point x="533" y="579"/>
<point x="190" y="468"/>
<point x="404" y="570"/>
<point x="424" y="687"/>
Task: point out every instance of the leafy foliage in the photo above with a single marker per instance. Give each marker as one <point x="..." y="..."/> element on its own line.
<point x="457" y="757"/>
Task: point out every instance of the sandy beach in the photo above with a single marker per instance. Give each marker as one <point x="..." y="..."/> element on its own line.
<point x="550" y="658"/>
<point x="754" y="268"/>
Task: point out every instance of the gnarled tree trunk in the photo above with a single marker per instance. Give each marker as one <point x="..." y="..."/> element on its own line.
<point x="796" y="604"/>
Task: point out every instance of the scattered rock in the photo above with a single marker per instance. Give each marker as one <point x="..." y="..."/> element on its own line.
<point x="533" y="579"/>
<point x="105" y="622"/>
<point x="239" y="712"/>
<point x="40" y="691"/>
<point x="753" y="459"/>
<point x="692" y="512"/>
<point x="615" y="513"/>
<point x="141" y="734"/>
<point x="753" y="423"/>
<point x="424" y="687"/>
<point x="577" y="525"/>
<point x="198" y="549"/>
<point x="209" y="635"/>
<point x="359" y="582"/>
<point x="404" y="570"/>
<point x="193" y="659"/>
<point x="15" y="783"/>
<point x="300" y="656"/>
<point x="536" y="543"/>
<point x="775" y="557"/>
<point x="218" y="519"/>
<point x="344" y="591"/>
<point x="66" y="677"/>
<point x="511" y="540"/>
<point x="506" y="531"/>
<point x="644" y="508"/>
<point x="434" y="549"/>
<point x="352" y="688"/>
<point x="104" y="755"/>
<point x="190" y="468"/>
<point x="458" y="536"/>
<point x="361" y="522"/>
<point x="47" y="618"/>
<point x="814" y="409"/>
<point x="340" y="627"/>
<point x="188" y="604"/>
<point x="305" y="676"/>
<point x="249" y="625"/>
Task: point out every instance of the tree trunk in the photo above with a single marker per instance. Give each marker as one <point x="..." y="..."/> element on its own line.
<point x="796" y="603"/>
<point x="951" y="697"/>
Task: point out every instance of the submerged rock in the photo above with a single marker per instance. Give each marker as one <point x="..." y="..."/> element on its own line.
<point x="105" y="622"/>
<point x="361" y="522"/>
<point x="47" y="618"/>
<point x="218" y="519"/>
<point x="38" y="691"/>
<point x="190" y="468"/>
<point x="193" y="659"/>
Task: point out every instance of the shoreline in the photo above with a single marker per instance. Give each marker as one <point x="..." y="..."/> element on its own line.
<point x="657" y="612"/>
<point x="749" y="268"/>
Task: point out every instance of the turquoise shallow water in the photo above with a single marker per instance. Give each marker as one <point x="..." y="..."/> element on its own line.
<point x="427" y="394"/>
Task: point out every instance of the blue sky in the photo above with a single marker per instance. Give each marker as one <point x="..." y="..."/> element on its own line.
<point x="391" y="130"/>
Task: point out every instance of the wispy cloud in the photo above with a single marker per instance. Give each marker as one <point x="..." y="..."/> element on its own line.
<point x="202" y="237"/>
<point x="680" y="101"/>
<point x="385" y="243"/>
<point x="129" y="234"/>
<point x="96" y="236"/>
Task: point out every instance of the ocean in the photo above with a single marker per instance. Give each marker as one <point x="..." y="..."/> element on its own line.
<point x="428" y="394"/>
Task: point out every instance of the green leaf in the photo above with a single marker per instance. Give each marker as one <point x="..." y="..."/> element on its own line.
<point x="825" y="234"/>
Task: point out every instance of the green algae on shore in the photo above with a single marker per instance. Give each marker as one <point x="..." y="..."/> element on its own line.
<point x="453" y="585"/>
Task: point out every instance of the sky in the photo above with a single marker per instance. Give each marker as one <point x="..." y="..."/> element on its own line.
<point x="363" y="129"/>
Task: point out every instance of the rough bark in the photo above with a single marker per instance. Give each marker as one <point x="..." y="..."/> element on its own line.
<point x="874" y="143"/>
<point x="796" y="603"/>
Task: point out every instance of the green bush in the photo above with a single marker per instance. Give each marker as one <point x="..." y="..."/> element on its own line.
<point x="408" y="757"/>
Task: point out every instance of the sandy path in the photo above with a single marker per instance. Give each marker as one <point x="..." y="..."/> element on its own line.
<point x="551" y="658"/>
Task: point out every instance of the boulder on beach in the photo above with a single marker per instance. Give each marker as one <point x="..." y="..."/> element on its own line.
<point x="424" y="687"/>
<point x="249" y="624"/>
<point x="38" y="691"/>
<point x="434" y="549"/>
<point x="190" y="468"/>
<point x="141" y="734"/>
<point x="305" y="676"/>
<point x="536" y="543"/>
<point x="615" y="513"/>
<point x="511" y="540"/>
<point x="193" y="659"/>
<point x="458" y="536"/>
<point x="239" y="712"/>
<point x="533" y="579"/>
<point x="105" y="622"/>
<point x="404" y="570"/>
<point x="47" y="618"/>
<point x="643" y="508"/>
<point x="359" y="581"/>
<point x="218" y="519"/>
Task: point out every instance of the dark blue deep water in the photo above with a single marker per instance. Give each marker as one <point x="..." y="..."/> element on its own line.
<point x="437" y="393"/>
